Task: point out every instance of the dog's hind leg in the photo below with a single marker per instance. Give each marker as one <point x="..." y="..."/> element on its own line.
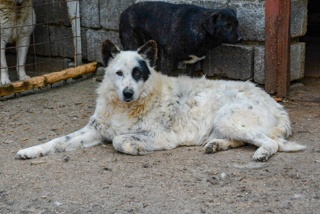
<point x="191" y="69"/>
<point x="22" y="50"/>
<point x="249" y="125"/>
<point x="168" y="63"/>
<point x="267" y="146"/>
<point x="86" y="137"/>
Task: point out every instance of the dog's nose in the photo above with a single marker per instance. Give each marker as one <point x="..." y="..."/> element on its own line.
<point x="127" y="94"/>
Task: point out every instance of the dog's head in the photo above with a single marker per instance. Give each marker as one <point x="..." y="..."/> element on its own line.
<point x="128" y="71"/>
<point x="222" y="25"/>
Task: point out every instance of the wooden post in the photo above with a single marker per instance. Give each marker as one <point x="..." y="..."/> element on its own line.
<point x="47" y="79"/>
<point x="277" y="47"/>
<point x="271" y="48"/>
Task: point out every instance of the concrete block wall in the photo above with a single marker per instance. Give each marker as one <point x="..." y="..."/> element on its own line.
<point x="99" y="21"/>
<point x="297" y="61"/>
<point x="100" y="18"/>
<point x="246" y="60"/>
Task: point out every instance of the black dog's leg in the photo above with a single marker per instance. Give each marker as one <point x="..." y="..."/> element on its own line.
<point x="159" y="60"/>
<point x="190" y="69"/>
<point x="168" y="64"/>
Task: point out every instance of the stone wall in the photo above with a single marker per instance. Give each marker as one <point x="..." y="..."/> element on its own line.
<point x="100" y="18"/>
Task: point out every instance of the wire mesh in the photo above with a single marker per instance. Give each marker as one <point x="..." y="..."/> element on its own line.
<point x="55" y="41"/>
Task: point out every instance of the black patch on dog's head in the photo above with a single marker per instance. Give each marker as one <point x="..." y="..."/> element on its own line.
<point x="141" y="72"/>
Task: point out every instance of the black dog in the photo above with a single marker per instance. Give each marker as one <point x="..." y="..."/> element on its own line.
<point x="183" y="32"/>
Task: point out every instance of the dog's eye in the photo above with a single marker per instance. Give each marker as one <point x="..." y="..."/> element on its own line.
<point x="228" y="26"/>
<point x="136" y="73"/>
<point x="119" y="73"/>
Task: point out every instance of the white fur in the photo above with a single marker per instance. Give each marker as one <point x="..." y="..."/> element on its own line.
<point x="16" y="25"/>
<point x="168" y="112"/>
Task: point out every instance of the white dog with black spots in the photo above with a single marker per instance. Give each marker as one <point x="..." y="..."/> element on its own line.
<point x="140" y="110"/>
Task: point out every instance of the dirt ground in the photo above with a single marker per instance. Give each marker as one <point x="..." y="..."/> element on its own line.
<point x="183" y="180"/>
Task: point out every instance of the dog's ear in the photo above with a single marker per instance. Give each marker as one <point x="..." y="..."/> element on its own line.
<point x="108" y="50"/>
<point x="149" y="51"/>
<point x="210" y="22"/>
<point x="233" y="11"/>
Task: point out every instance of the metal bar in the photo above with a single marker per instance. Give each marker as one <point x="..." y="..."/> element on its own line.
<point x="74" y="15"/>
<point x="284" y="49"/>
<point x="271" y="47"/>
<point x="277" y="47"/>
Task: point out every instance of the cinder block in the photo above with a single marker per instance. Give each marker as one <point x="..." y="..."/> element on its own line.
<point x="251" y="15"/>
<point x="230" y="61"/>
<point x="245" y="62"/>
<point x="61" y="43"/>
<point x="95" y="38"/>
<point x="258" y="64"/>
<point x="89" y="12"/>
<point x="41" y="40"/>
<point x="51" y="12"/>
<point x="299" y="18"/>
<point x="110" y="13"/>
<point x="297" y="61"/>
<point x="57" y="41"/>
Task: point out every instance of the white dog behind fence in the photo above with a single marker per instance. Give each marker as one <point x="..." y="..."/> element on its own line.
<point x="141" y="110"/>
<point x="17" y="21"/>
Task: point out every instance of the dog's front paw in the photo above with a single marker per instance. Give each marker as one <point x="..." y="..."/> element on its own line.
<point x="5" y="80"/>
<point x="32" y="152"/>
<point x="121" y="144"/>
<point x="130" y="149"/>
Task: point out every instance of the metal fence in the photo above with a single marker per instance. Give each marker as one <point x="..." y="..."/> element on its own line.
<point x="54" y="25"/>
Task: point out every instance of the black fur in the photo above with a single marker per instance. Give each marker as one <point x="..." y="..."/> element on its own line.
<point x="108" y="50"/>
<point x="179" y="30"/>
<point x="141" y="72"/>
<point x="149" y="50"/>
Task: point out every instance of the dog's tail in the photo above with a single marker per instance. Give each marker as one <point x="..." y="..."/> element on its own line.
<point x="283" y="131"/>
<point x="289" y="146"/>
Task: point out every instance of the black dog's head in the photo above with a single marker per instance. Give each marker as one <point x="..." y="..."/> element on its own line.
<point x="222" y="25"/>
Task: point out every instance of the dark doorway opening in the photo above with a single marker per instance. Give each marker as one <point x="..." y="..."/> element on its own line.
<point x="312" y="39"/>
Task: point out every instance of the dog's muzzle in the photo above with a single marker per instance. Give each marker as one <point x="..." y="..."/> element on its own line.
<point x="128" y="94"/>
